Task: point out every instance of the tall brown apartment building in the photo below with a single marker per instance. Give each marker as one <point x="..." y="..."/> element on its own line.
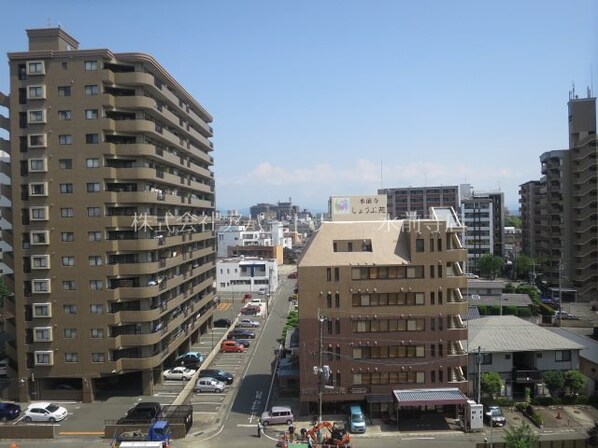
<point x="112" y="202"/>
<point x="566" y="240"/>
<point x="381" y="302"/>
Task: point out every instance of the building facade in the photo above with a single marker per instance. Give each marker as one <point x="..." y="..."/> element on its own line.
<point x="380" y="306"/>
<point x="401" y="201"/>
<point x="484" y="220"/>
<point x="4" y="181"/>
<point x="246" y="274"/>
<point x="112" y="199"/>
<point x="567" y="240"/>
<point x="529" y="210"/>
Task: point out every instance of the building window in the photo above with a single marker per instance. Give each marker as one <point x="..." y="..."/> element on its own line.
<point x="35" y="68"/>
<point x="92" y="163"/>
<point x="70" y="333"/>
<point x="42" y="310"/>
<point x="337" y="300"/>
<point x="91" y="65"/>
<point x="71" y="357"/>
<point x="92" y="139"/>
<point x="67" y="212"/>
<point x="486" y="358"/>
<point x="419" y="245"/>
<point x="562" y="355"/>
<point x="66" y="188"/>
<point x="45" y="358"/>
<point x="91" y="114"/>
<point x="40" y="261"/>
<point x="42" y="334"/>
<point x="67" y="237"/>
<point x="37" y="140"/>
<point x="98" y="357"/>
<point x="65" y="139"/>
<point x="328" y="274"/>
<point x="329" y="300"/>
<point x="93" y="187"/>
<point x="68" y="261"/>
<point x="64" y="90"/>
<point x="94" y="236"/>
<point x="93" y="211"/>
<point x="37" y="165"/>
<point x="37" y="116"/>
<point x="96" y="284"/>
<point x="41" y="286"/>
<point x="69" y="309"/>
<point x="65" y="164"/>
<point x="35" y="92"/>
<point x="40" y="237"/>
<point x="95" y="260"/>
<point x="69" y="285"/>
<point x="38" y="213"/>
<point x="97" y="333"/>
<point x="37" y="189"/>
<point x="336" y="274"/>
<point x="64" y="115"/>
<point x="92" y="89"/>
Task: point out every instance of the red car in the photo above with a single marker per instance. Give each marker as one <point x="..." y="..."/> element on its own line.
<point x="251" y="310"/>
<point x="232" y="347"/>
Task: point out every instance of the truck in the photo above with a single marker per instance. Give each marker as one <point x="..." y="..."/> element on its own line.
<point x="158" y="431"/>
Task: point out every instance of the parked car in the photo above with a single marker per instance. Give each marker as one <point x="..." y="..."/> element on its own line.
<point x="263" y="291"/>
<point x="145" y="410"/>
<point x="45" y="412"/>
<point x="191" y="360"/>
<point x="240" y="333"/>
<point x="222" y="323"/>
<point x="248" y="323"/>
<point x="231" y="346"/>
<point x="292" y="275"/>
<point x="220" y="375"/>
<point x="209" y="384"/>
<point x="9" y="411"/>
<point x="244" y="342"/>
<point x="178" y="373"/>
<point x="278" y="415"/>
<point x="494" y="416"/>
<point x="251" y="310"/>
<point x="472" y="276"/>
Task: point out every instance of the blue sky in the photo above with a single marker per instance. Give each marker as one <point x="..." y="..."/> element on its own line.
<point x="318" y="98"/>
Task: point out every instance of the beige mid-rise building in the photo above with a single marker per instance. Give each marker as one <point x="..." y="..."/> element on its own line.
<point x="112" y="203"/>
<point x="381" y="303"/>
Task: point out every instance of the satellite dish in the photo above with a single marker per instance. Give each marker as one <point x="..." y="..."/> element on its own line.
<point x="475" y="297"/>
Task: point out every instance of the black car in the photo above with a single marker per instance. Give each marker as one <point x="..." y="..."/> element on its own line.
<point x="222" y="323"/>
<point x="144" y="412"/>
<point x="9" y="411"/>
<point x="190" y="360"/>
<point x="244" y="342"/>
<point x="219" y="375"/>
<point x="239" y="333"/>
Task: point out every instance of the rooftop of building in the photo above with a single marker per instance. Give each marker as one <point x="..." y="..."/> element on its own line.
<point x="512" y="334"/>
<point x="386" y="237"/>
<point x="590" y="350"/>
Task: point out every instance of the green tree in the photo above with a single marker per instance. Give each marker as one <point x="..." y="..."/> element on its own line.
<point x="521" y="436"/>
<point x="513" y="221"/>
<point x="490" y="265"/>
<point x="524" y="266"/>
<point x="490" y="383"/>
<point x="4" y="291"/>
<point x="574" y="381"/>
<point x="555" y="381"/>
<point x="528" y="289"/>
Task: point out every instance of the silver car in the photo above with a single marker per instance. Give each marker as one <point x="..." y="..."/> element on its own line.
<point x="209" y="384"/>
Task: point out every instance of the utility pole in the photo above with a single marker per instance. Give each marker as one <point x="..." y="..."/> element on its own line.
<point x="479" y="380"/>
<point x="561" y="292"/>
<point x="321" y="320"/>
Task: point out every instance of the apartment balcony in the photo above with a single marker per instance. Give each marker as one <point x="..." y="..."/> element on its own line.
<point x="589" y="201"/>
<point x="137" y="340"/>
<point x="132" y="292"/>
<point x="455" y="322"/>
<point x="9" y="310"/>
<point x="10" y="350"/>
<point x="526" y="375"/>
<point x="455" y="348"/>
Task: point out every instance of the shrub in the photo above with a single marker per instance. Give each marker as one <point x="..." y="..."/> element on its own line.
<point x="510" y="310"/>
<point x="524" y="312"/>
<point x="504" y="402"/>
<point x="494" y="310"/>
<point x="546" y="401"/>
<point x="520" y="406"/>
<point x="537" y="419"/>
<point x="483" y="310"/>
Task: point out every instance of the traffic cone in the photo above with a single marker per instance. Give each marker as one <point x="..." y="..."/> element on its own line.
<point x="558" y="415"/>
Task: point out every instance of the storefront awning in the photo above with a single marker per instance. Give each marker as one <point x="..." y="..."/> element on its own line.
<point x="428" y="397"/>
